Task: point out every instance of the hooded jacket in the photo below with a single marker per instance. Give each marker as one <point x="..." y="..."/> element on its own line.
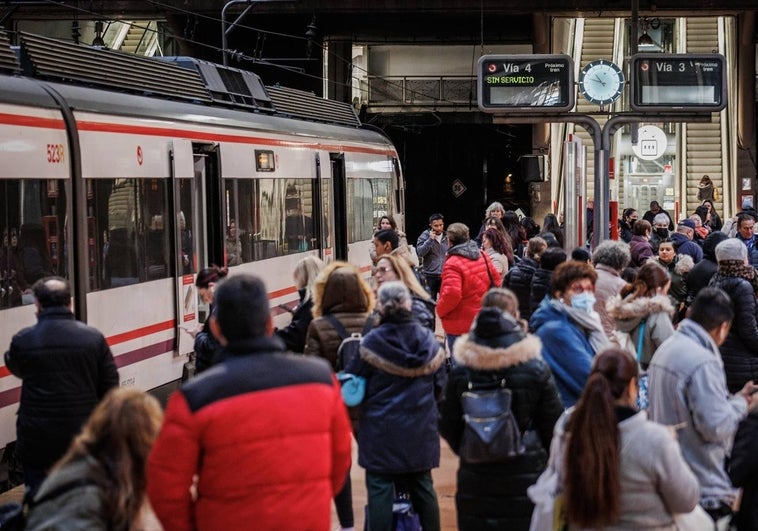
<point x="493" y="496"/>
<point x="657" y="312"/>
<point x="683" y="245"/>
<point x="405" y="374"/>
<point x="565" y="348"/>
<point x="464" y="282"/>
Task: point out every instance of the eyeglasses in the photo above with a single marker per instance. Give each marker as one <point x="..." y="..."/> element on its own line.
<point x="384" y="270"/>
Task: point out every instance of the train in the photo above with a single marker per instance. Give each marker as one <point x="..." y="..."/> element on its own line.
<point x="127" y="175"/>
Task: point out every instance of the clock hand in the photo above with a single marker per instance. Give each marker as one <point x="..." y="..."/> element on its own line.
<point x="596" y="78"/>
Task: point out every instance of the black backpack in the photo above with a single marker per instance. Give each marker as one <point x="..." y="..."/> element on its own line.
<point x="490" y="433"/>
<point x="350" y="345"/>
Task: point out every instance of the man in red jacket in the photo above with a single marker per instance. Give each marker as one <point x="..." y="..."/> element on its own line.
<point x="261" y="440"/>
<point x="466" y="276"/>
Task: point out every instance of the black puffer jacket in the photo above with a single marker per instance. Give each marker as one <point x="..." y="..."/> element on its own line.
<point x="740" y="350"/>
<point x="66" y="368"/>
<point x="519" y="280"/>
<point x="493" y="496"/>
<point x="540" y="288"/>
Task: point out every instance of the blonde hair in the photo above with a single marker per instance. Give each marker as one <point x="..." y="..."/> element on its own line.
<point x="119" y="435"/>
<point x="305" y="274"/>
<point x="405" y="275"/>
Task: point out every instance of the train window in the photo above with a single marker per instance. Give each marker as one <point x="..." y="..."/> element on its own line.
<point x="129" y="219"/>
<point x="367" y="201"/>
<point x="268" y="217"/>
<point x="185" y="224"/>
<point x="32" y="222"/>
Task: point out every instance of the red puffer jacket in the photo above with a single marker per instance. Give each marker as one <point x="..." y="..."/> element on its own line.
<point x="267" y="436"/>
<point x="464" y="283"/>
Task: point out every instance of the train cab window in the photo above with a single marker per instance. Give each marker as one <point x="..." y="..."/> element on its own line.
<point x="131" y="232"/>
<point x="32" y="222"/>
<point x="267" y="218"/>
<point x="367" y="201"/>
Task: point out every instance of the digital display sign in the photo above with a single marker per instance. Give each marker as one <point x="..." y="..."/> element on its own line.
<point x="525" y="83"/>
<point x="678" y="82"/>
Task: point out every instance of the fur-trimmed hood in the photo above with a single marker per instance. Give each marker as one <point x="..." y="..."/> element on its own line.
<point x="477" y="356"/>
<point x="403" y="349"/>
<point x="496" y="341"/>
<point x="628" y="312"/>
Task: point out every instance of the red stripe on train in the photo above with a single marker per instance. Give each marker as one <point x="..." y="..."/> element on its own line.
<point x="32" y="121"/>
<point x="225" y="137"/>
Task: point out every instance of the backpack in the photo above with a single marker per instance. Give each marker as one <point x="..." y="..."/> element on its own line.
<point x="490" y="432"/>
<point x="353" y="385"/>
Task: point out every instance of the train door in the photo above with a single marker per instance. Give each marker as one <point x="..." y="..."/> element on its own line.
<point x="340" y="210"/>
<point x="185" y="241"/>
<point x="323" y="212"/>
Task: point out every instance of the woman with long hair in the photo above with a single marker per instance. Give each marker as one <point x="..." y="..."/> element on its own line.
<point x="507" y="246"/>
<point x="390" y="268"/>
<point x="516" y="232"/>
<point x="340" y="294"/>
<point x="304" y="275"/>
<point x="621" y="471"/>
<point x="206" y="346"/>
<point x="644" y="308"/>
<point x="104" y="468"/>
<point x="494" y="244"/>
<point x="551" y="224"/>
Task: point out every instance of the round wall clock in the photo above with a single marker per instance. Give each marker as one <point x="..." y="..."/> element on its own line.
<point x="601" y="82"/>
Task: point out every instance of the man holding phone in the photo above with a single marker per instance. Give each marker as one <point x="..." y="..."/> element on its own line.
<point x="688" y="386"/>
<point x="431" y="248"/>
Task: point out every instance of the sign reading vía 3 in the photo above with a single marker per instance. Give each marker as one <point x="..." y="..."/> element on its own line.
<point x="528" y="83"/>
<point x="678" y="82"/>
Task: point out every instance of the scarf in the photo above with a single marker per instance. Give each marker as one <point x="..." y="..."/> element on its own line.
<point x="588" y="322"/>
<point x="737" y="269"/>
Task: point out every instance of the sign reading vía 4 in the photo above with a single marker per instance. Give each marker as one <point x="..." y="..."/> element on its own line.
<point x="527" y="83"/>
<point x="678" y="82"/>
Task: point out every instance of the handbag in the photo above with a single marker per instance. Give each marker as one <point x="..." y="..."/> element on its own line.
<point x="353" y="388"/>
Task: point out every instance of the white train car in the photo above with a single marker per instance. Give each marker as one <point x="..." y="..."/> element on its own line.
<point x="129" y="195"/>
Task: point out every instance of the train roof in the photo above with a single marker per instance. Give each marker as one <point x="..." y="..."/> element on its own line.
<point x="177" y="88"/>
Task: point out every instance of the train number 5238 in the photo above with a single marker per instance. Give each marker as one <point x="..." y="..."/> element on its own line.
<point x="55" y="153"/>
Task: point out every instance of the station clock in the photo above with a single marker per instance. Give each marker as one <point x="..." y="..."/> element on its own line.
<point x="601" y="82"/>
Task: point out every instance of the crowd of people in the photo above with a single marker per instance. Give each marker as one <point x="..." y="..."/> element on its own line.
<point x="626" y="375"/>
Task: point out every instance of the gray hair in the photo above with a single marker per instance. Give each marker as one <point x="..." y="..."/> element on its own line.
<point x="393" y="297"/>
<point x="613" y="254"/>
<point x="493" y="207"/>
<point x="661" y="219"/>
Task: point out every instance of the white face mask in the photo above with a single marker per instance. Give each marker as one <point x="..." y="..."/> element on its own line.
<point x="584" y="301"/>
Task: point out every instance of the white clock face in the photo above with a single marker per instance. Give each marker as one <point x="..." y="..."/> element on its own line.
<point x="601" y="82"/>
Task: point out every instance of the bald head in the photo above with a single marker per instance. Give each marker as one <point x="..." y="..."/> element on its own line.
<point x="51" y="292"/>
